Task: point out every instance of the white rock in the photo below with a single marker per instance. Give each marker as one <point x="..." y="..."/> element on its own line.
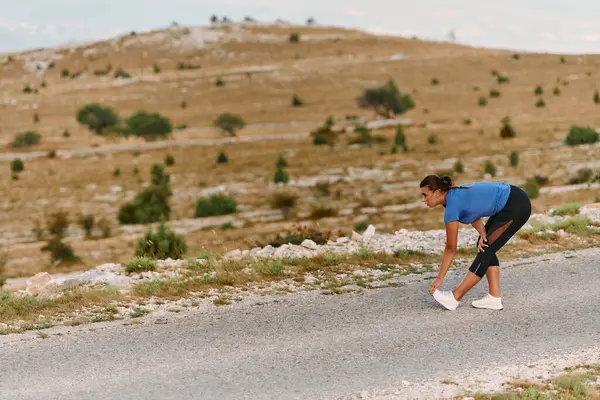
<point x="309" y="244"/>
<point x="36" y="283"/>
<point x="370" y="231"/>
<point x="356" y="236"/>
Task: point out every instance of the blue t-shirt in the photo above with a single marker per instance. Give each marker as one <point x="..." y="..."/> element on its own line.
<point x="482" y="199"/>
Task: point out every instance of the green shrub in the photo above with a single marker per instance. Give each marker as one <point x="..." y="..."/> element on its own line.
<point x="66" y="134"/>
<point x="284" y="201"/>
<point x="581" y="135"/>
<point x="556" y="91"/>
<point x="514" y="159"/>
<point x="297" y="102"/>
<point x="386" y="100"/>
<point x="596" y="97"/>
<point x="540" y="103"/>
<point x="280" y="176"/>
<point x="432" y="139"/>
<point x="459" y="167"/>
<point x="150" y="205"/>
<point x="156" y="69"/>
<point x="183" y="66"/>
<point x="222" y="158"/>
<point x="117" y="172"/>
<point x="538" y="91"/>
<point x="16" y="165"/>
<point x="583" y="175"/>
<point x="60" y="252"/>
<point x="87" y="224"/>
<point x="435" y="81"/>
<point x="507" y="130"/>
<point x="516" y="56"/>
<point x="183" y="104"/>
<point x="215" y="205"/>
<point x="36" y="118"/>
<point x="97" y="118"/>
<point x="489" y="168"/>
<point x="400" y="139"/>
<point x="503" y="79"/>
<point x="494" y="93"/>
<point x="294" y="37"/>
<point x="140" y="264"/>
<point x="24" y="139"/>
<point x="532" y="188"/>
<point x="65" y="73"/>
<point x="482" y="101"/>
<point x="169" y="160"/>
<point x="229" y="123"/>
<point x="150" y="126"/>
<point x="162" y="244"/>
<point x="219" y="82"/>
<point x="120" y="73"/>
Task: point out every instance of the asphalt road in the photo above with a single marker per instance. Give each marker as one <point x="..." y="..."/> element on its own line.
<point x="311" y="346"/>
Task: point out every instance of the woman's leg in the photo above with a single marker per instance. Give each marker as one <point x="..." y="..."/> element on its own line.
<point x="493" y="277"/>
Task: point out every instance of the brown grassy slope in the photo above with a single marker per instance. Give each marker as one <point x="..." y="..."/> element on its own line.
<point x="327" y="69"/>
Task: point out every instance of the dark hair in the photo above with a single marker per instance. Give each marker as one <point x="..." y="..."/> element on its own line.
<point x="434" y="182"/>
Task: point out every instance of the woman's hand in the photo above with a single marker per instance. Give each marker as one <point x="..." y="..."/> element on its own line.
<point x="482" y="243"/>
<point x="434" y="285"/>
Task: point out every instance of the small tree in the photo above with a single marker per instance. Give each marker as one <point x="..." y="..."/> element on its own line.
<point x="489" y="168"/>
<point x="400" y="139"/>
<point x="150" y="205"/>
<point x="162" y="244"/>
<point x="280" y="176"/>
<point x="150" y="126"/>
<point x="386" y="100"/>
<point x="540" y="103"/>
<point x="97" y="117"/>
<point x="294" y="37"/>
<point x="532" y="188"/>
<point x="538" y="91"/>
<point x="87" y="223"/>
<point x="17" y="165"/>
<point x="281" y="162"/>
<point x="169" y="160"/>
<point x="596" y="97"/>
<point x="229" y="123"/>
<point x="222" y="158"/>
<point x="482" y="101"/>
<point x="507" y="130"/>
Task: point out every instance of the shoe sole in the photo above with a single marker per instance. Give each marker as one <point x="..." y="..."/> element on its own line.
<point x="488" y="308"/>
<point x="443" y="305"/>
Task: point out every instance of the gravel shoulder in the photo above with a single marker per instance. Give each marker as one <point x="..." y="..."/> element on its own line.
<point x="381" y="343"/>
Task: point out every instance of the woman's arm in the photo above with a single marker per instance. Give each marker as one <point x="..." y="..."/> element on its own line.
<point x="479" y="227"/>
<point x="449" y="254"/>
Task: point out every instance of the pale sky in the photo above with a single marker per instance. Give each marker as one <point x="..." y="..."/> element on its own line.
<point x="556" y="26"/>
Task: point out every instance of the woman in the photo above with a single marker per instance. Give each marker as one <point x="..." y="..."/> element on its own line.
<point x="508" y="207"/>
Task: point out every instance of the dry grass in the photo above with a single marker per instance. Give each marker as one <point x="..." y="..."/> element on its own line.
<point x="328" y="74"/>
<point x="577" y="383"/>
<point x="36" y="312"/>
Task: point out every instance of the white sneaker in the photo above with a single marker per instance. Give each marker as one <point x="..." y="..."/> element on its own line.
<point x="446" y="299"/>
<point x="489" y="302"/>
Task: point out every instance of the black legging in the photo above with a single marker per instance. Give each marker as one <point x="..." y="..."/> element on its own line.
<point x="500" y="228"/>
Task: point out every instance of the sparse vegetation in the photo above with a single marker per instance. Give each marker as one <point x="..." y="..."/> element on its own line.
<point x="16" y="165"/>
<point x="222" y="158"/>
<point x="159" y="245"/>
<point x="507" y="130"/>
<point x="514" y="159"/>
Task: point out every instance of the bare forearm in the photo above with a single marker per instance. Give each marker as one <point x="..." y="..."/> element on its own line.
<point x="479" y="226"/>
<point x="447" y="258"/>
